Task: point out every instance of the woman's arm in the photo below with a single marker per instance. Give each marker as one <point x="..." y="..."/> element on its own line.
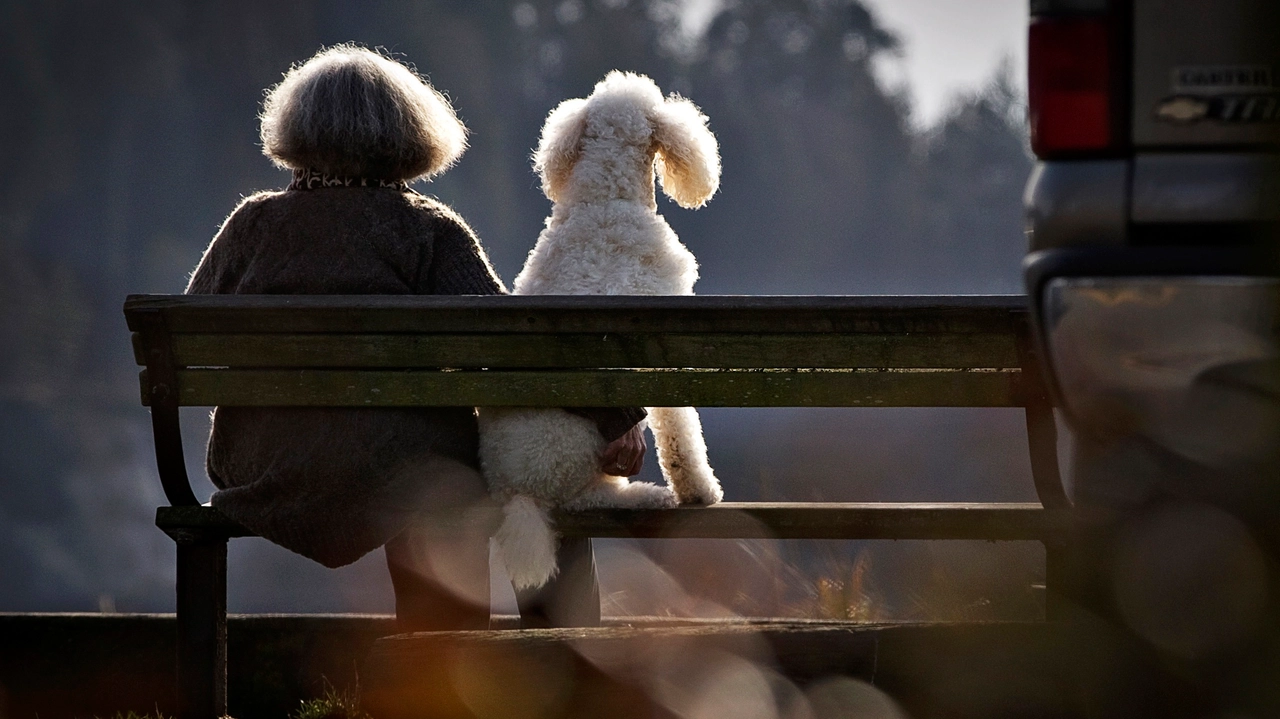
<point x="458" y="265"/>
<point x="613" y="422"/>
<point x="220" y="271"/>
<point x="454" y="263"/>
<point x="624" y="457"/>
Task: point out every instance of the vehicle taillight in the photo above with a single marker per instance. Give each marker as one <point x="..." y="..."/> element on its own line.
<point x="1069" y="85"/>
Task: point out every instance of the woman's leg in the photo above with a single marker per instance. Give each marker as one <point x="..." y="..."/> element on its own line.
<point x="442" y="581"/>
<point x="572" y="598"/>
<point x="427" y="601"/>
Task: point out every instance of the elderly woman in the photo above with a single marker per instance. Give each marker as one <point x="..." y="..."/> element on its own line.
<point x="334" y="484"/>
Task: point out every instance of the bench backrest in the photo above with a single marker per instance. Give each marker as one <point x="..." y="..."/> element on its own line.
<point x="707" y="351"/>
<point x="583" y="351"/>
<point x="380" y="351"/>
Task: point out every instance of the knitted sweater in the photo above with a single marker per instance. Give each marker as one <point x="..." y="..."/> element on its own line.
<point x="333" y="484"/>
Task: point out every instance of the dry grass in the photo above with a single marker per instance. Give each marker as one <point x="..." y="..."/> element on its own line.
<point x="959" y="585"/>
<point x="847" y="597"/>
<point x="866" y="582"/>
<point x="334" y="704"/>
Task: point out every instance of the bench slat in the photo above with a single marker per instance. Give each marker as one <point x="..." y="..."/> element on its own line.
<point x="821" y="520"/>
<point x="507" y="314"/>
<point x="876" y="350"/>
<point x="598" y="388"/>
<point x="744" y="520"/>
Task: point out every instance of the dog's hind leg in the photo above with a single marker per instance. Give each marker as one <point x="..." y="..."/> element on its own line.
<point x="677" y="434"/>
<point x="619" y="493"/>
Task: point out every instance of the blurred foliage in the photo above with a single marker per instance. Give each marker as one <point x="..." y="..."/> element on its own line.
<point x="129" y="133"/>
<point x="136" y="715"/>
<point x="334" y="704"/>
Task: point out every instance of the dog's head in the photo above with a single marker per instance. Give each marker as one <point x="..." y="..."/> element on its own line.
<point x="630" y="111"/>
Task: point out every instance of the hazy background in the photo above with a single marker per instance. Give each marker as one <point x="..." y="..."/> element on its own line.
<point x="869" y="147"/>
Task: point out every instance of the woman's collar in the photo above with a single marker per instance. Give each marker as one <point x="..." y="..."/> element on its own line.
<point x="314" y="180"/>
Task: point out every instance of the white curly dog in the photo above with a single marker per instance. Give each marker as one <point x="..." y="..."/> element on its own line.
<point x="597" y="159"/>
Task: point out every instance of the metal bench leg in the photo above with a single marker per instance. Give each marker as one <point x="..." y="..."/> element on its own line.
<point x="1042" y="443"/>
<point x="202" y="626"/>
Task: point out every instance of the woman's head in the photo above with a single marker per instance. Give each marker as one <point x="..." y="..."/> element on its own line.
<point x="350" y="111"/>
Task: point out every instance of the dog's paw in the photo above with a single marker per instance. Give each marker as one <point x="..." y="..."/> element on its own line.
<point x="695" y="485"/>
<point x="618" y="493"/>
<point x="646" y="495"/>
<point x="703" y="493"/>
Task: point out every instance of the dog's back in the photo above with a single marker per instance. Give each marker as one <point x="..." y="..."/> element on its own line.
<point x="611" y="248"/>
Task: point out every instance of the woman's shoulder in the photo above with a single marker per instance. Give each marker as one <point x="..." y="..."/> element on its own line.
<point x="432" y="208"/>
<point x="417" y="216"/>
<point x="230" y="243"/>
<point x="252" y="208"/>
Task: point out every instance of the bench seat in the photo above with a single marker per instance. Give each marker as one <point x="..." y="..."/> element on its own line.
<point x="746" y="520"/>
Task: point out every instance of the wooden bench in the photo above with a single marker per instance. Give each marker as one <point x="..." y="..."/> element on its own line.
<point x="709" y="351"/>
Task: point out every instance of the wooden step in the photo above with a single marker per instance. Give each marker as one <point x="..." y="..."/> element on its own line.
<point x="987" y="670"/>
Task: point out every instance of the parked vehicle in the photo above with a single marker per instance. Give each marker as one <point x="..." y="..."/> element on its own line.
<point x="1153" y="217"/>
<point x="1154" y="224"/>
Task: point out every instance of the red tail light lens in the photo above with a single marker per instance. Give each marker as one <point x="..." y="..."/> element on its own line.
<point x="1069" y="85"/>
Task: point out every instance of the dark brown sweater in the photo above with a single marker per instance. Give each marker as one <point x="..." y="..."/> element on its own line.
<point x="334" y="484"/>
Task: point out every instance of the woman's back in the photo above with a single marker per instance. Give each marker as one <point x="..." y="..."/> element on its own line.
<point x="334" y="484"/>
<point x="344" y="240"/>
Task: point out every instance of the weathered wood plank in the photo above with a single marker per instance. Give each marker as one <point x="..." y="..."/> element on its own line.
<point x="597" y="388"/>
<point x="743" y="520"/>
<point x="821" y="520"/>
<point x="797" y="643"/>
<point x="961" y="670"/>
<point x="198" y="518"/>
<point x="870" y="350"/>
<point x="509" y="314"/>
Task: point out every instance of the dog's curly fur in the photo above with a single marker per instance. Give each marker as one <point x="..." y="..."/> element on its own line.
<point x="349" y="111"/>
<point x="597" y="158"/>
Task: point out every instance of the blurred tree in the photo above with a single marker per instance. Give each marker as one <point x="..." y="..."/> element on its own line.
<point x="969" y="184"/>
<point x="816" y="154"/>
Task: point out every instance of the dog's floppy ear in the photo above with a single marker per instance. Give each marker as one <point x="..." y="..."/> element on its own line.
<point x="560" y="145"/>
<point x="688" y="157"/>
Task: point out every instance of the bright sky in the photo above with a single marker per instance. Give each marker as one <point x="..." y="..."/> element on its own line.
<point x="950" y="45"/>
<point x="953" y="45"/>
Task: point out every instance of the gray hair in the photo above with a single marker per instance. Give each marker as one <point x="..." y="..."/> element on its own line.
<point x="353" y="112"/>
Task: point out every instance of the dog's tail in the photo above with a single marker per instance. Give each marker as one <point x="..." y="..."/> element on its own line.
<point x="527" y="543"/>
